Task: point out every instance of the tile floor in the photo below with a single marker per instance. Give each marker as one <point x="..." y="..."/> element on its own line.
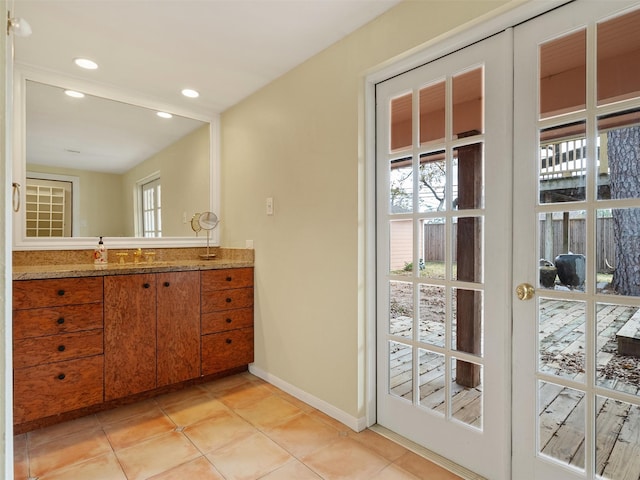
<point x="239" y="428"/>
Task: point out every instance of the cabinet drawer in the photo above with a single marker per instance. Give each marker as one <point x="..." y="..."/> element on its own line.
<point x="214" y="322"/>
<point x="227" y="278"/>
<point x="227" y="299"/>
<point x="55" y="292"/>
<point x="55" y="388"/>
<point x="38" y="322"/>
<point x="222" y="351"/>
<point x="28" y="352"/>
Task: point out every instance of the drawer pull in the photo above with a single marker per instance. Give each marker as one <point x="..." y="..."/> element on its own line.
<point x="146" y="285"/>
<point x="61" y="348"/>
<point x="228" y="300"/>
<point x="60" y="293"/>
<point x="60" y="320"/>
<point x="229" y="320"/>
<point x="229" y="341"/>
<point x="61" y="376"/>
<point x="229" y="278"/>
<point x="166" y="284"/>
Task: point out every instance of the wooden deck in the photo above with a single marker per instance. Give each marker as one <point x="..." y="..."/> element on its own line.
<point x="562" y="410"/>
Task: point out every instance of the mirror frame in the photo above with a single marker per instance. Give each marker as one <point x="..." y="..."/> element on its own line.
<point x="22" y="242"/>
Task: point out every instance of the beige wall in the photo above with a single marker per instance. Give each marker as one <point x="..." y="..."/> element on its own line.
<point x="297" y="140"/>
<point x="185" y="177"/>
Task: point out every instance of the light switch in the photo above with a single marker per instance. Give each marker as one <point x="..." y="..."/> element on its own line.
<point x="269" y="205"/>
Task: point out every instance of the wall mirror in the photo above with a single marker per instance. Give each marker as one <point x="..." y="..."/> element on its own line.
<point x="106" y="164"/>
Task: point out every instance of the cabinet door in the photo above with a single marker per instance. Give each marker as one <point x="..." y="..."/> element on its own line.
<point x="178" y="327"/>
<point x="54" y="388"/>
<point x="226" y="350"/>
<point x="129" y="334"/>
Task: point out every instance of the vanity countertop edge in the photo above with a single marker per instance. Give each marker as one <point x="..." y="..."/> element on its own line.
<point x="38" y="272"/>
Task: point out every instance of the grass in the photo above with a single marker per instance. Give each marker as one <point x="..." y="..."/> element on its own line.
<point x="437" y="270"/>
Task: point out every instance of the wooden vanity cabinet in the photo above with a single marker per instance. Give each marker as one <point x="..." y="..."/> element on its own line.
<point x="227" y="319"/>
<point x="129" y="334"/>
<point x="152" y="331"/>
<point x="178" y="325"/>
<point x="57" y="346"/>
<point x="80" y="343"/>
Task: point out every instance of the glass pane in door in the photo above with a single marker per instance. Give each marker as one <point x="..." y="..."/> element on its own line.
<point x="432" y="181"/>
<point x="618" y="58"/>
<point x="400" y="370"/>
<point x="433" y="314"/>
<point x="401" y="309"/>
<point x="400" y="186"/>
<point x="618" y="161"/>
<point x="432" y="380"/>
<point x="562" y="423"/>
<point x="468" y="103"/>
<point x="618" y="349"/>
<point x="561" y="338"/>
<point x="401" y="122"/>
<point x="432" y="106"/>
<point x="434" y="234"/>
<point x="563" y="163"/>
<point x="466" y="403"/>
<point x="563" y="80"/>
<point x="563" y="248"/>
<point x="617" y="440"/>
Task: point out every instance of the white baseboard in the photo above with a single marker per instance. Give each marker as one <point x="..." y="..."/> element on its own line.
<point x="354" y="423"/>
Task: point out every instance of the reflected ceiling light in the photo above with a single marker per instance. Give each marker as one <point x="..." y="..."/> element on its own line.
<point x="187" y="92"/>
<point x="164" y="114"/>
<point x="74" y="94"/>
<point x="85" y="63"/>
<point x="19" y="26"/>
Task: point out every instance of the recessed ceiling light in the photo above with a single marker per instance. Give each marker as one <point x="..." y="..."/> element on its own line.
<point x="85" y="63"/>
<point x="187" y="92"/>
<point x="164" y="114"/>
<point x="74" y="94"/>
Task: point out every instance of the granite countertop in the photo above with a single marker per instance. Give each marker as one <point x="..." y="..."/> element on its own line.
<point x="36" y="272"/>
<point x="44" y="269"/>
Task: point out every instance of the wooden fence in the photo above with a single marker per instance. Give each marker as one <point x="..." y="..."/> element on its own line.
<point x="434" y="241"/>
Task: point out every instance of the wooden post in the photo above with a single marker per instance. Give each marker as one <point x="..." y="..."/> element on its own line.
<point x="469" y="263"/>
<point x="565" y="232"/>
<point x="548" y="237"/>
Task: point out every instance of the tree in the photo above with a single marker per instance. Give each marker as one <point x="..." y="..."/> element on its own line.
<point x="432" y="176"/>
<point x="624" y="177"/>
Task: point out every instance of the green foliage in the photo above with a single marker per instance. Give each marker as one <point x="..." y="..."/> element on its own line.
<point x="408" y="266"/>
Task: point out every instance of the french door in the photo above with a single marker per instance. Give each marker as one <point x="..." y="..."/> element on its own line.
<point x="576" y="332"/>
<point x="443" y="174"/>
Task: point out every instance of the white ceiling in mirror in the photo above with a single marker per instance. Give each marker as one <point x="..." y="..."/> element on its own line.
<point x="224" y="49"/>
<point x="93" y="133"/>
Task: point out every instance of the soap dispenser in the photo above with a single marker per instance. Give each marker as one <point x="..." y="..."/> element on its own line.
<point x="100" y="254"/>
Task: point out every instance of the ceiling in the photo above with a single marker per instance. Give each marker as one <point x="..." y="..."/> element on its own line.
<point x="152" y="49"/>
<point x="225" y="49"/>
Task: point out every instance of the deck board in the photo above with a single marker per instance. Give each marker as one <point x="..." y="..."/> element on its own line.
<point x="561" y="411"/>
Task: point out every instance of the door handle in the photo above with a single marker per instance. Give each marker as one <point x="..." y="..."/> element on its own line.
<point x="525" y="291"/>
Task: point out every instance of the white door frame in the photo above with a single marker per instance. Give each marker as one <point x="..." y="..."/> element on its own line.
<point x="483" y="27"/>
